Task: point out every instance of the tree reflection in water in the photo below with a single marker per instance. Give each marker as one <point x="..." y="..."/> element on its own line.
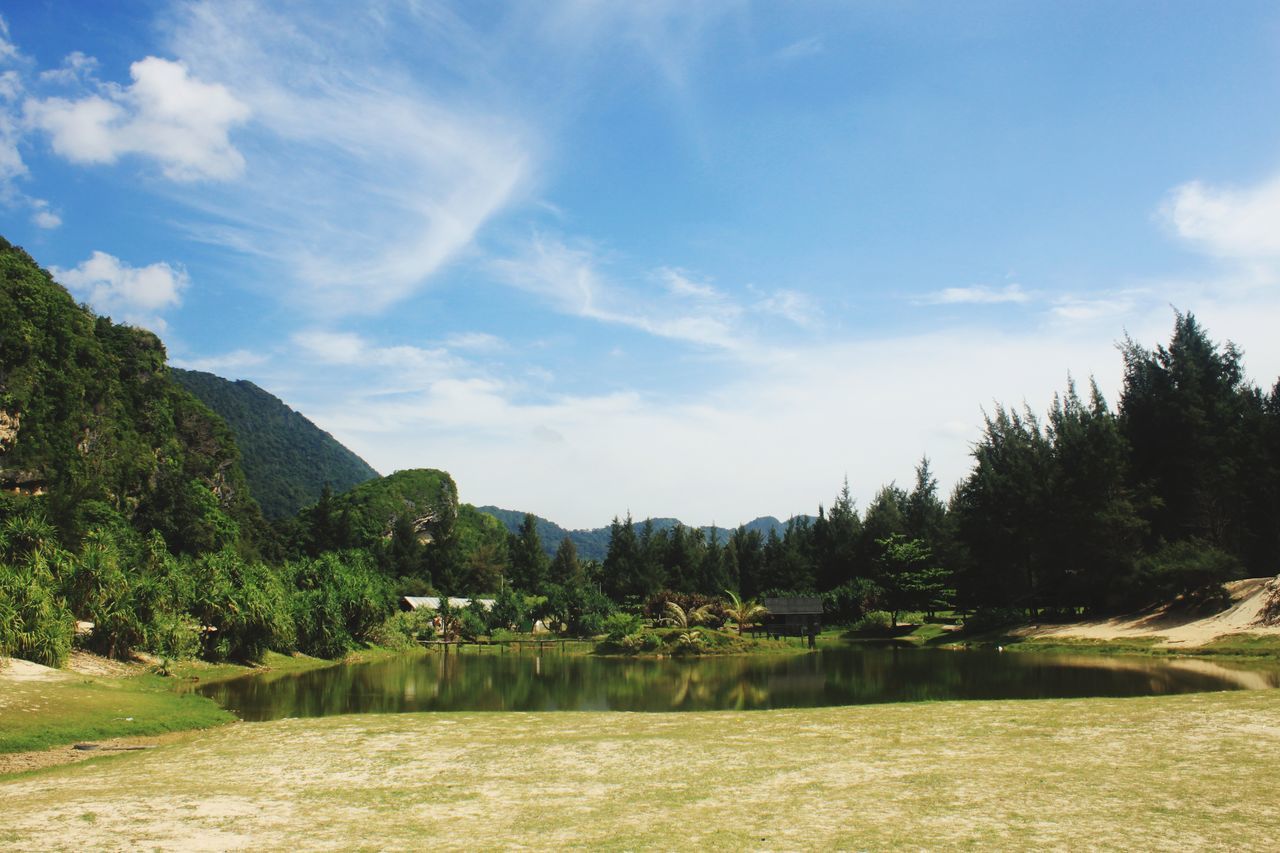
<point x="847" y="676"/>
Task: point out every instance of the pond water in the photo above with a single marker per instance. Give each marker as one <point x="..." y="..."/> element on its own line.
<point x="490" y="681"/>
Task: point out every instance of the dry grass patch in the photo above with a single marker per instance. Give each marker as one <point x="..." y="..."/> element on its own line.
<point x="1171" y="773"/>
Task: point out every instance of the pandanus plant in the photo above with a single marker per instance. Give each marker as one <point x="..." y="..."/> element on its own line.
<point x="680" y="618"/>
<point x="743" y="612"/>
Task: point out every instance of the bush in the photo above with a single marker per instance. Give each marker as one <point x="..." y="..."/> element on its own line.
<point x="850" y="601"/>
<point x="710" y="610"/>
<point x="403" y="630"/>
<point x="875" y="620"/>
<point x="175" y="636"/>
<point x="991" y="618"/>
<point x="1192" y="569"/>
<point x="618" y="625"/>
<point x="470" y="623"/>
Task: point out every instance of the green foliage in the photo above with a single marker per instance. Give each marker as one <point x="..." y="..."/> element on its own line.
<point x="619" y="624"/>
<point x="910" y="577"/>
<point x="743" y="612"/>
<point x="425" y="497"/>
<point x="848" y="602"/>
<point x="510" y="610"/>
<point x="403" y="630"/>
<point x="529" y="564"/>
<point x="340" y="599"/>
<point x="35" y="622"/>
<point x="242" y="607"/>
<point x="991" y="618"/>
<point x="873" y="621"/>
<point x="1190" y="569"/>
<point x="287" y="459"/>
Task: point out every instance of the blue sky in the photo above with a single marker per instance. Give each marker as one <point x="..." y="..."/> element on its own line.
<point x="691" y="259"/>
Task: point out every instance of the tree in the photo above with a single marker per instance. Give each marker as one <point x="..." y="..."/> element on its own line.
<point x="529" y="564"/>
<point x="565" y="569"/>
<point x="743" y="612"/>
<point x="1187" y="413"/>
<point x="910" y="578"/>
<point x="836" y="539"/>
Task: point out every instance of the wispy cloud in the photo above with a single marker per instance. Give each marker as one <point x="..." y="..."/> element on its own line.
<point x="136" y="295"/>
<point x="568" y="279"/>
<point x="801" y="49"/>
<point x="224" y="364"/>
<point x="977" y="295"/>
<point x="360" y="183"/>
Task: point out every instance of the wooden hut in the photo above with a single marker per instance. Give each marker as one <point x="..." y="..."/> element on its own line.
<point x="795" y="616"/>
<point x="432" y="602"/>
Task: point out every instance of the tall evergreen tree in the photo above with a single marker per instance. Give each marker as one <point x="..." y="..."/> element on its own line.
<point x="529" y="564"/>
<point x="1186" y="411"/>
<point x="565" y="569"/>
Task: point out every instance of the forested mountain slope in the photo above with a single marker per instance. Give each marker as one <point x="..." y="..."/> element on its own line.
<point x="91" y="419"/>
<point x="286" y="458"/>
<point x="593" y="544"/>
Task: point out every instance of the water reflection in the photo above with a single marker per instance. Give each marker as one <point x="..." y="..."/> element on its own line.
<point x="552" y="682"/>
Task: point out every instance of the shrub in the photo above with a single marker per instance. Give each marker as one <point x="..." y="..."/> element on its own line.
<point x="403" y="630"/>
<point x="874" y="620"/>
<point x="618" y="625"/>
<point x="703" y="611"/>
<point x="470" y="623"/>
<point x="991" y="618"/>
<point x="850" y="601"/>
<point x="175" y="636"/>
<point x="1192" y="569"/>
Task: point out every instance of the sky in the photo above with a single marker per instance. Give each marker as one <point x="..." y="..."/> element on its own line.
<point x="691" y="259"/>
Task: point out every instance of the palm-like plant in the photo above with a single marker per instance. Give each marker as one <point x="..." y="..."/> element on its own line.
<point x="681" y="618"/>
<point x="743" y="612"/>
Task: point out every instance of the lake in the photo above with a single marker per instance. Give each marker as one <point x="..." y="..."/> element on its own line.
<point x="489" y="681"/>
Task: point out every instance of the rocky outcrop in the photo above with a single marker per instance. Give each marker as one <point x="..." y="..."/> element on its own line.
<point x="1270" y="612"/>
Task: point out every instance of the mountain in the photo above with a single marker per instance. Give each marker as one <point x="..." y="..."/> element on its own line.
<point x="286" y="458"/>
<point x="594" y="544"/>
<point x="93" y="425"/>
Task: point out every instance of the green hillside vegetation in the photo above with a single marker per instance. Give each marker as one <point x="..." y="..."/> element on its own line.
<point x="124" y="505"/>
<point x="286" y="458"/>
<point x="593" y="544"/>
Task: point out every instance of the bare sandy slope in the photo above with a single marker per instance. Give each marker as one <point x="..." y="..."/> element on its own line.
<point x="1178" y="629"/>
<point x="1176" y="773"/>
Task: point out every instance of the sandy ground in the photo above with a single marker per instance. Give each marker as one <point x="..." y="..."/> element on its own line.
<point x="1242" y="617"/>
<point x="1191" y="772"/>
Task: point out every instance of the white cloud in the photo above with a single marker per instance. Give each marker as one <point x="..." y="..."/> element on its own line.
<point x="361" y="183"/>
<point x="476" y="341"/>
<point x="181" y="122"/>
<point x="977" y="295"/>
<point x="134" y="295"/>
<point x="42" y="215"/>
<point x="1239" y="223"/>
<point x="568" y="279"/>
<point x="791" y="305"/>
<point x="8" y="51"/>
<point x="228" y="362"/>
<point x="801" y="49"/>
<point x="76" y="67"/>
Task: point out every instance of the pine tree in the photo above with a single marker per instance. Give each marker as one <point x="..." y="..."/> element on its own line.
<point x="529" y="564"/>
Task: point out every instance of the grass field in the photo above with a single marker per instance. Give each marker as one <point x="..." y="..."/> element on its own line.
<point x="40" y="714"/>
<point x="1162" y="773"/>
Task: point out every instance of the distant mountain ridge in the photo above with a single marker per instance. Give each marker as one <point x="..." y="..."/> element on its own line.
<point x="286" y="458"/>
<point x="594" y="544"/>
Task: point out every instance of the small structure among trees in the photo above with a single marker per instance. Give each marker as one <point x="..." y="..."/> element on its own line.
<point x="432" y="602"/>
<point x="795" y="616"/>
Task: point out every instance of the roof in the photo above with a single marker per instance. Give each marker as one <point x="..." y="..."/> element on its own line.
<point x="794" y="606"/>
<point x="432" y="602"/>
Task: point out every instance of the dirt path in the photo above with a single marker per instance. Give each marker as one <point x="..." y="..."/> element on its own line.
<point x="1178" y="629"/>
<point x="21" y="762"/>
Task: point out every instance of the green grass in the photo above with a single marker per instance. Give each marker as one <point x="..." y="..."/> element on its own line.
<point x="1158" y="773"/>
<point x="40" y="714"/>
